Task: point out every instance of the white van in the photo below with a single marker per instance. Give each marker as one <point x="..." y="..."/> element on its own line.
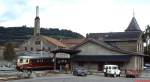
<point x="111" y="70"/>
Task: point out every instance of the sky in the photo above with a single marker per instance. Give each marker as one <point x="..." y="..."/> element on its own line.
<point x="82" y="16"/>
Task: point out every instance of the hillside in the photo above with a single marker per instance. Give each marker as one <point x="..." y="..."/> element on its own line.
<point x="20" y="34"/>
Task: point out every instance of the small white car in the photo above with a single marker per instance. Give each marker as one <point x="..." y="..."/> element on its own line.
<point x="111" y="70"/>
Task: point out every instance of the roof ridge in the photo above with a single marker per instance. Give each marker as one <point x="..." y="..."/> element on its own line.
<point x="54" y="41"/>
<point x="105" y="45"/>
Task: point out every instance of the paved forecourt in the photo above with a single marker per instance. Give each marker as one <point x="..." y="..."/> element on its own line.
<point x="89" y="78"/>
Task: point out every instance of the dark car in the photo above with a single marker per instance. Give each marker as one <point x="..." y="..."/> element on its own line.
<point x="79" y="71"/>
<point x="147" y="67"/>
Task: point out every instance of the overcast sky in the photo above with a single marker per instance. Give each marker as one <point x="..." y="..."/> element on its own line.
<point x="82" y="16"/>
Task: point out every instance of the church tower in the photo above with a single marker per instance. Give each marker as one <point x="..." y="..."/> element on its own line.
<point x="37" y="23"/>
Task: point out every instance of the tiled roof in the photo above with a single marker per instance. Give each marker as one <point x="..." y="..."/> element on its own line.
<point x="115" y="36"/>
<point x="54" y="41"/>
<point x="133" y="26"/>
<point x="71" y="42"/>
<point x="31" y="54"/>
<point x="133" y="32"/>
<point x="105" y="45"/>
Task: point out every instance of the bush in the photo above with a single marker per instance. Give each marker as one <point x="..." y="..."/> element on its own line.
<point x="9" y="52"/>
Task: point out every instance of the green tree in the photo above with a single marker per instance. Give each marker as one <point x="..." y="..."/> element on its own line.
<point x="9" y="52"/>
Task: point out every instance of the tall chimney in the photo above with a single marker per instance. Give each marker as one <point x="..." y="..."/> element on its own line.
<point x="37" y="23"/>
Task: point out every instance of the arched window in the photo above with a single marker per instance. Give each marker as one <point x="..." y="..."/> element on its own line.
<point x="49" y="48"/>
<point x="21" y="60"/>
<point x="37" y="42"/>
<point x="25" y="48"/>
<point x="31" y="49"/>
<point x="43" y="48"/>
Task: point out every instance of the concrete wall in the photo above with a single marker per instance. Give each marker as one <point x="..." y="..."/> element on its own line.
<point x="136" y="62"/>
<point x="31" y="43"/>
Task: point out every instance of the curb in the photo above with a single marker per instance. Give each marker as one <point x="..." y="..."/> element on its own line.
<point x="9" y="78"/>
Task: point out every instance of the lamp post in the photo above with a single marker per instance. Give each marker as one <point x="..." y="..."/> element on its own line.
<point x="54" y="60"/>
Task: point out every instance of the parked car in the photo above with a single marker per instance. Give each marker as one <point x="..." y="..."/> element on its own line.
<point x="80" y="71"/>
<point x="111" y="70"/>
<point x="146" y="66"/>
<point x="6" y="68"/>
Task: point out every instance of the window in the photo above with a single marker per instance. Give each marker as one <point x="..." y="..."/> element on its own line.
<point x="65" y="61"/>
<point x="106" y="67"/>
<point x="49" y="48"/>
<point x="62" y="61"/>
<point x="41" y="60"/>
<point x="31" y="49"/>
<point x="109" y="67"/>
<point x="81" y="64"/>
<point x="37" y="42"/>
<point x="58" y="61"/>
<point x="25" y="48"/>
<point x="43" y="48"/>
<point x="26" y="60"/>
<point x="38" y="60"/>
<point x="114" y="67"/>
<point x="21" y="60"/>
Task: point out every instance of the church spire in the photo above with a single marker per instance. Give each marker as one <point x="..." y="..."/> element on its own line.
<point x="133" y="26"/>
<point x="37" y="23"/>
<point x="133" y="13"/>
<point x="37" y="11"/>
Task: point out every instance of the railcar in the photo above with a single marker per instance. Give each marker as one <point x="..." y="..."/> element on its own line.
<point x="34" y="62"/>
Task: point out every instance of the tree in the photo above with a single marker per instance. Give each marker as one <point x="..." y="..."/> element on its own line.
<point x="9" y="52"/>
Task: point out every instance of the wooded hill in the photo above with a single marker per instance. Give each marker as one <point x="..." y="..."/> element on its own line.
<point x="19" y="34"/>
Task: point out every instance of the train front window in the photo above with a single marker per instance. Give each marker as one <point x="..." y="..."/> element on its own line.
<point x="21" y="60"/>
<point x="26" y="60"/>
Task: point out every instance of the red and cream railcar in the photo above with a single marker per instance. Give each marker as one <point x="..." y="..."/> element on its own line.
<point x="34" y="63"/>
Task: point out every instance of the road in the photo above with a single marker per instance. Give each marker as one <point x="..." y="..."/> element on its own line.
<point x="89" y="78"/>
